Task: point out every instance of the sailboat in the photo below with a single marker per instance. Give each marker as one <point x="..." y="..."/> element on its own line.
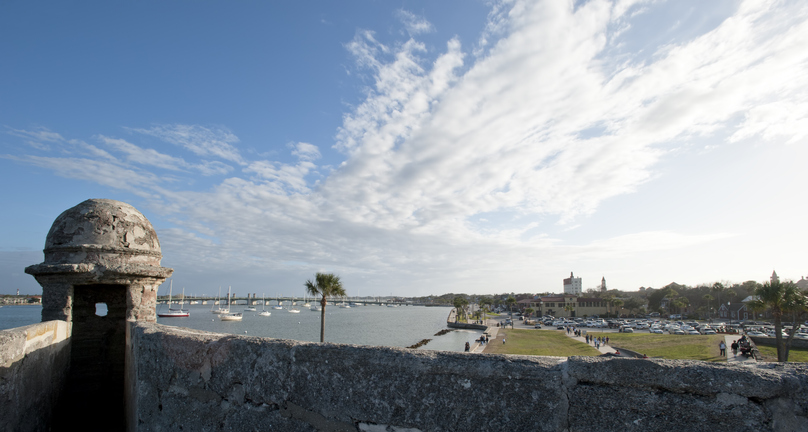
<point x="264" y="312"/>
<point x="216" y="304"/>
<point x="249" y="308"/>
<point x="227" y="315"/>
<point x="293" y="309"/>
<point x="174" y="313"/>
<point x="279" y="306"/>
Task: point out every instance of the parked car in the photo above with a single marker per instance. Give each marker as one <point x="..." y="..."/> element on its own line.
<point x="628" y="330"/>
<point x="538" y="326"/>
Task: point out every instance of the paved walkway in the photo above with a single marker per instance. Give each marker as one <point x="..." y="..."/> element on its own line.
<point x="493" y="332"/>
<point x="729" y="339"/>
<point x="604" y="349"/>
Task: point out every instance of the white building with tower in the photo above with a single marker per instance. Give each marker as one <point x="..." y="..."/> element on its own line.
<point x="573" y="285"/>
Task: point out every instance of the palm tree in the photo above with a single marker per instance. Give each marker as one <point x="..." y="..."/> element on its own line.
<point x="510" y="301"/>
<point x="485" y="305"/>
<point x="325" y="285"/>
<point x="781" y="298"/>
<point x="460" y="304"/>
<point x="708" y="297"/>
<point x="718" y="288"/>
<point x="618" y="304"/>
<point x="569" y="308"/>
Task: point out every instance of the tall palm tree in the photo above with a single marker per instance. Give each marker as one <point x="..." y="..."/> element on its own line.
<point x="510" y="301"/>
<point x="325" y="285"/>
<point x="708" y="297"/>
<point x="460" y="304"/>
<point x="782" y="298"/>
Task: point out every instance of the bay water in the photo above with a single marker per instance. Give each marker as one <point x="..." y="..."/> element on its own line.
<point x="401" y="326"/>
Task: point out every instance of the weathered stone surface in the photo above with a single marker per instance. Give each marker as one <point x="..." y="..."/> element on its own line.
<point x="211" y="379"/>
<point x="33" y="369"/>
<point x="100" y="242"/>
<point x="204" y="381"/>
<point x="661" y="395"/>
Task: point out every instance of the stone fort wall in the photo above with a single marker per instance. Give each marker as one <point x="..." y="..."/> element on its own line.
<point x="34" y="361"/>
<point x="182" y="379"/>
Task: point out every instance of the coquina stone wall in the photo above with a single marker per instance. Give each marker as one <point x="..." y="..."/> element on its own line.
<point x="182" y="379"/>
<point x="34" y="362"/>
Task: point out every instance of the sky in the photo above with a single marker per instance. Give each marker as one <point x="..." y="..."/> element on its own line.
<point x="415" y="147"/>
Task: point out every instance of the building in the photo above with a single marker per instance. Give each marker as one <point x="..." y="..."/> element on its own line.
<point x="735" y="312"/>
<point x="567" y="305"/>
<point x="573" y="285"/>
<point x="603" y="284"/>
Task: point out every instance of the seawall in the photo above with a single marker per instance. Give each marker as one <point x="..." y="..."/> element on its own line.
<point x="192" y="380"/>
<point x="34" y="363"/>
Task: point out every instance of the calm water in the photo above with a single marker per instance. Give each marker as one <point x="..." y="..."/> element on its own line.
<point x="363" y="325"/>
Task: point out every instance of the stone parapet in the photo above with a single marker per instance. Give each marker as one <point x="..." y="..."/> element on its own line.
<point x="193" y="380"/>
<point x="34" y="362"/>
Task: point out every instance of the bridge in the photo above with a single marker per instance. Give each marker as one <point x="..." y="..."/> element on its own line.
<point x="289" y="299"/>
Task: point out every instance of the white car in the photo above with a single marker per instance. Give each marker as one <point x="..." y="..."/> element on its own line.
<point x="656" y="330"/>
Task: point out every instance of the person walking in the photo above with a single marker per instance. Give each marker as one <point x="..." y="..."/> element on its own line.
<point x="734" y="347"/>
<point x="722" y="348"/>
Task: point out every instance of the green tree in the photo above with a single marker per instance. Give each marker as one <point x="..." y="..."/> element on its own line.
<point x="633" y="304"/>
<point x="718" y="289"/>
<point x="569" y="308"/>
<point x="708" y="298"/>
<point x="485" y="304"/>
<point x="460" y="304"/>
<point x="324" y="285"/>
<point x="529" y="311"/>
<point x="618" y="304"/>
<point x="781" y="298"/>
<point x="510" y="301"/>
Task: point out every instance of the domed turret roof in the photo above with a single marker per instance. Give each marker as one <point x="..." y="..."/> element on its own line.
<point x="103" y="223"/>
<point x="102" y="232"/>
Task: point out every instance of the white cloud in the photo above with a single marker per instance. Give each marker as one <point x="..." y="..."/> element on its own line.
<point x="202" y="141"/>
<point x="151" y="157"/>
<point x="551" y="118"/>
<point x="39" y="135"/>
<point x="414" y="24"/>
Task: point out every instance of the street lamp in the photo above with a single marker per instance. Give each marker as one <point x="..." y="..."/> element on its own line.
<point x="730" y="313"/>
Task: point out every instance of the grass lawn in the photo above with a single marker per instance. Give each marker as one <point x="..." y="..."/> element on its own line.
<point x="667" y="346"/>
<point x="538" y="342"/>
<point x="794" y="354"/>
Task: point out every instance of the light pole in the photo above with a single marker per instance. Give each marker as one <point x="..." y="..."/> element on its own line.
<point x="730" y="313"/>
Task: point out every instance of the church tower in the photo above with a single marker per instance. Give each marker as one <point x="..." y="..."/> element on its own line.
<point x="775" y="278"/>
<point x="603" y="284"/>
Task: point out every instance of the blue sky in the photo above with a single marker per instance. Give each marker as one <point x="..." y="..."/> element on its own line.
<point x="415" y="147"/>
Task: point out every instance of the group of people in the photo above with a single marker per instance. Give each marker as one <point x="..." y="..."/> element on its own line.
<point x="482" y="340"/>
<point x="597" y="341"/>
<point x="743" y="344"/>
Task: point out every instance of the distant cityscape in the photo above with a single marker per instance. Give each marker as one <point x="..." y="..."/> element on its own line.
<point x="716" y="300"/>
